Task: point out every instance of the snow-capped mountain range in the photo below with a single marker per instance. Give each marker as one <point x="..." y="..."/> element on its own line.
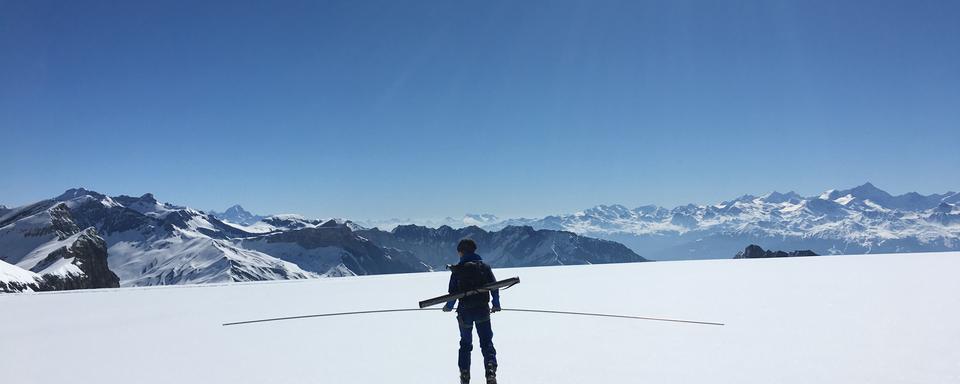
<point x="469" y="219"/>
<point x="864" y="219"/>
<point x="70" y="240"/>
<point x="84" y="239"/>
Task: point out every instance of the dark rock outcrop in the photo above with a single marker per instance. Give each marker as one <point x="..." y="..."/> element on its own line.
<point x="87" y="251"/>
<point x="15" y="287"/>
<point x="754" y="251"/>
<point x="84" y="249"/>
<point x="89" y="254"/>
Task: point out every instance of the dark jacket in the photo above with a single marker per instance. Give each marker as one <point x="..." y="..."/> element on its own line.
<point x="466" y="302"/>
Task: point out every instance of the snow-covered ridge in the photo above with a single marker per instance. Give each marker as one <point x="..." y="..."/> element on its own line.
<point x="144" y="242"/>
<point x="16" y="279"/>
<point x="239" y="217"/>
<point x="864" y="219"/>
<point x="148" y="242"/>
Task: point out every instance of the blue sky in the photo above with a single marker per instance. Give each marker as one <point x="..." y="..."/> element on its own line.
<point x="377" y="109"/>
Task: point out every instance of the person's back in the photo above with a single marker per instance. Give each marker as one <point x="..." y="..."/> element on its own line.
<point x="471" y="273"/>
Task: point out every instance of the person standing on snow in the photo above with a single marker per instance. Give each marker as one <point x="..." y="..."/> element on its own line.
<point x="474" y="310"/>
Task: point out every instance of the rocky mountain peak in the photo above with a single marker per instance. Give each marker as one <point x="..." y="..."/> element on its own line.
<point x="741" y="199"/>
<point x="62" y="222"/>
<point x="777" y="197"/>
<point x="148" y="198"/>
<point x="236" y="214"/>
<point x="332" y="224"/>
<point x="236" y="208"/>
<point x="869" y="191"/>
<point x="74" y="193"/>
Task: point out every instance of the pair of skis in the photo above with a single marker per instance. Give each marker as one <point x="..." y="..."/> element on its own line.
<point x="502" y="284"/>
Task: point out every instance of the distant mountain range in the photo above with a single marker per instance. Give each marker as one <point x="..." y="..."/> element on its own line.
<point x="470" y="219"/>
<point x="864" y="219"/>
<point x="85" y="239"/>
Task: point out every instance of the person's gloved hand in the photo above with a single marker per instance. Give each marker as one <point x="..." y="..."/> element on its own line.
<point x="447" y="309"/>
<point x="495" y="309"/>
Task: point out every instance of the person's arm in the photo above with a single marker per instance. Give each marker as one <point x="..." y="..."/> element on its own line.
<point x="495" y="294"/>
<point x="452" y="288"/>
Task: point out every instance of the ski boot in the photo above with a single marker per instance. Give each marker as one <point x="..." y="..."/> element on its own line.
<point x="465" y="377"/>
<point x="491" y="373"/>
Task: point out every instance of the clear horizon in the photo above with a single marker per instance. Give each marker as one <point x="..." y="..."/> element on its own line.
<point x="378" y="110"/>
<point x="456" y="215"/>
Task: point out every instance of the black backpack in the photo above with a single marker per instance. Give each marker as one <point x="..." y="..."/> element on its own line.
<point x="472" y="275"/>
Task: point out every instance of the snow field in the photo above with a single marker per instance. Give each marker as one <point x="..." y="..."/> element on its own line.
<point x="850" y="319"/>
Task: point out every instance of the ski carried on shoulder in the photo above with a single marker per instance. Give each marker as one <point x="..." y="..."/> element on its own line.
<point x="502" y="284"/>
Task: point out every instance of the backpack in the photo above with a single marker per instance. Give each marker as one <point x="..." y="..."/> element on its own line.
<point x="470" y="275"/>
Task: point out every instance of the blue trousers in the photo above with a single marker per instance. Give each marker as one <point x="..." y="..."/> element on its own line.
<point x="467" y="319"/>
